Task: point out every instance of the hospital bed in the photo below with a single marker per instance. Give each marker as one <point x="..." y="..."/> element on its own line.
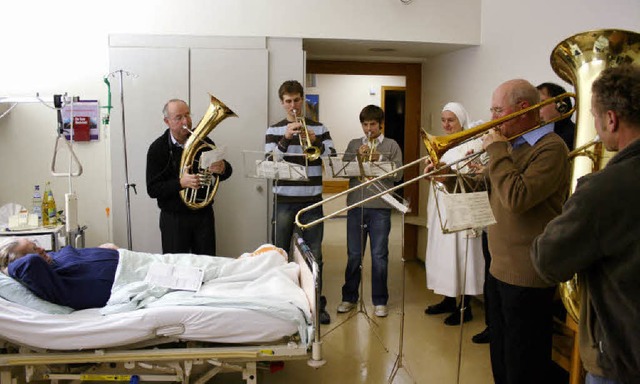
<point x="183" y="343"/>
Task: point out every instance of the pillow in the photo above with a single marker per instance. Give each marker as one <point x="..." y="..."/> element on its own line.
<point x="12" y="290"/>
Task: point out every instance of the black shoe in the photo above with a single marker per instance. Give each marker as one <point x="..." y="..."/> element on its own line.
<point x="324" y="315"/>
<point x="482" y="337"/>
<point x="447" y="305"/>
<point x="454" y="318"/>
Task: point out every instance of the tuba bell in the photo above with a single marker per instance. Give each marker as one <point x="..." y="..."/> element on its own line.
<point x="579" y="60"/>
<point x="196" y="143"/>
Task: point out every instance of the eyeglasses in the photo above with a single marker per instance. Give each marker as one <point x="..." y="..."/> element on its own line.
<point x="179" y="118"/>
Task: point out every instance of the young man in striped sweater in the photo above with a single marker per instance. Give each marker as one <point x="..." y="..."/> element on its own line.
<point x="287" y="139"/>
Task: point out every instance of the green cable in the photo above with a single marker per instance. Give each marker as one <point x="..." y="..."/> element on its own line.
<point x="105" y="119"/>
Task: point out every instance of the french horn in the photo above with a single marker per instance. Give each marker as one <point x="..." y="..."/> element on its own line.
<point x="216" y="112"/>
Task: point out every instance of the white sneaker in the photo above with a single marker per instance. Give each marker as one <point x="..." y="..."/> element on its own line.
<point x="346" y="306"/>
<point x="381" y="311"/>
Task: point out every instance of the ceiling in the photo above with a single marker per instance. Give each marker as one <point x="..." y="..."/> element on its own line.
<point x="371" y="50"/>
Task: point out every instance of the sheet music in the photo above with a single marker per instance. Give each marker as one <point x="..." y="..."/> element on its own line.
<point x="181" y="277"/>
<point x="280" y="170"/>
<point x="467" y="210"/>
<point x="341" y="168"/>
<point x="395" y="203"/>
<point x="378" y="168"/>
<point x="209" y="157"/>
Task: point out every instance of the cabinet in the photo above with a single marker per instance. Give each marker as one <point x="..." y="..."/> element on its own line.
<point x="235" y="70"/>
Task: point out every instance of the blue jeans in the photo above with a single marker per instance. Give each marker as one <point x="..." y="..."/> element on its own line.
<point x="284" y="227"/>
<point x="376" y="224"/>
<point x="593" y="379"/>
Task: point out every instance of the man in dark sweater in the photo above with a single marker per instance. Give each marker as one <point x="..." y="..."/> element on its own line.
<point x="184" y="230"/>
<point x="76" y="278"/>
<point x="529" y="181"/>
<point x="597" y="236"/>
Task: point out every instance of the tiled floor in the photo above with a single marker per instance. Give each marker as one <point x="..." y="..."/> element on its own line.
<point x="361" y="348"/>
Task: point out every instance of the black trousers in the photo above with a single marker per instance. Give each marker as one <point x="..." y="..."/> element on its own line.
<point x="188" y="232"/>
<point x="487" y="265"/>
<point x="521" y="327"/>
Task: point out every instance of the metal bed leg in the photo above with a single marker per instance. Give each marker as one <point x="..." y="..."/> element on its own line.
<point x="316" y="360"/>
<point x="5" y="376"/>
<point x="249" y="374"/>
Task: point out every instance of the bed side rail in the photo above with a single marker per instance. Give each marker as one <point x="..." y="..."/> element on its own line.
<point x="310" y="283"/>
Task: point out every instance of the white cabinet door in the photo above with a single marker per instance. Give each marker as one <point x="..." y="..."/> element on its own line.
<point x="159" y="74"/>
<point x="238" y="78"/>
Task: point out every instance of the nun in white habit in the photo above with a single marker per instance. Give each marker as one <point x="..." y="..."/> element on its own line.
<point x="445" y="259"/>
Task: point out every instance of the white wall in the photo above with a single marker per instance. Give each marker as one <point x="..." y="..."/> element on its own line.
<point x="517" y="40"/>
<point x="342" y="97"/>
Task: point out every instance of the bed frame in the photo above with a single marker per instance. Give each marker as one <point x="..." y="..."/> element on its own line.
<point x="168" y="359"/>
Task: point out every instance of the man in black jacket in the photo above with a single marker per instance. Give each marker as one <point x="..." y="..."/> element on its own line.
<point x="596" y="236"/>
<point x="184" y="230"/>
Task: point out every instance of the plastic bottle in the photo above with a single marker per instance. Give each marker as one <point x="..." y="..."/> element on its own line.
<point x="49" y="213"/>
<point x="36" y="204"/>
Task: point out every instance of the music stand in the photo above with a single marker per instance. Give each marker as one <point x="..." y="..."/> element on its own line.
<point x="274" y="166"/>
<point x="465" y="208"/>
<point x="399" y="363"/>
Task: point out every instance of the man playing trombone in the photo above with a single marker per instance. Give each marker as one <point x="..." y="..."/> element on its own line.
<point x="528" y="175"/>
<point x="373" y="218"/>
<point x="306" y="140"/>
<point x="529" y="182"/>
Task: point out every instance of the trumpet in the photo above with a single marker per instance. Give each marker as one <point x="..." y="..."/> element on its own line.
<point x="312" y="153"/>
<point x="370" y="154"/>
<point x="436" y="146"/>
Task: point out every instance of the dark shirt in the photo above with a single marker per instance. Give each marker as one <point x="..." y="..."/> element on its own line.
<point x="163" y="181"/>
<point x="77" y="278"/>
<point x="566" y="129"/>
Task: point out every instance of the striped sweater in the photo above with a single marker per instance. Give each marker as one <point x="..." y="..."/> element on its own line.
<point x="299" y="191"/>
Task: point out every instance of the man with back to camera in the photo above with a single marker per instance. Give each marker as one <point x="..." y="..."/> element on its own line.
<point x="596" y="236"/>
<point x="184" y="230"/>
<point x="288" y="137"/>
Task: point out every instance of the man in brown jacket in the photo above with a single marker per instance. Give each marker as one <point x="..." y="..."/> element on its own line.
<point x="529" y="179"/>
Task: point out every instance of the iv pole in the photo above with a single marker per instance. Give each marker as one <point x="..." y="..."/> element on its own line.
<point x="127" y="185"/>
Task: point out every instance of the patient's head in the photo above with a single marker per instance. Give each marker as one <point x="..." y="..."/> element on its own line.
<point x="13" y="248"/>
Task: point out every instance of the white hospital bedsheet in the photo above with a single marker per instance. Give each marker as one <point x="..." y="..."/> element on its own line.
<point x="252" y="299"/>
<point x="88" y="329"/>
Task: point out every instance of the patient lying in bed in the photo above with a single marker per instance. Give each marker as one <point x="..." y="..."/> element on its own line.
<point x="76" y="278"/>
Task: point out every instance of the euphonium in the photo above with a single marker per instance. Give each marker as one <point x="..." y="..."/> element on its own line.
<point x="312" y="153"/>
<point x="579" y="60"/>
<point x="216" y="112"/>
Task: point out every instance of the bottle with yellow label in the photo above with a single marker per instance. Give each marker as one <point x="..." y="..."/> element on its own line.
<point x="49" y="213"/>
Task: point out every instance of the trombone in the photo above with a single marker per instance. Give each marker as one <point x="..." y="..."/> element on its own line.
<point x="436" y="147"/>
<point x="312" y="153"/>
